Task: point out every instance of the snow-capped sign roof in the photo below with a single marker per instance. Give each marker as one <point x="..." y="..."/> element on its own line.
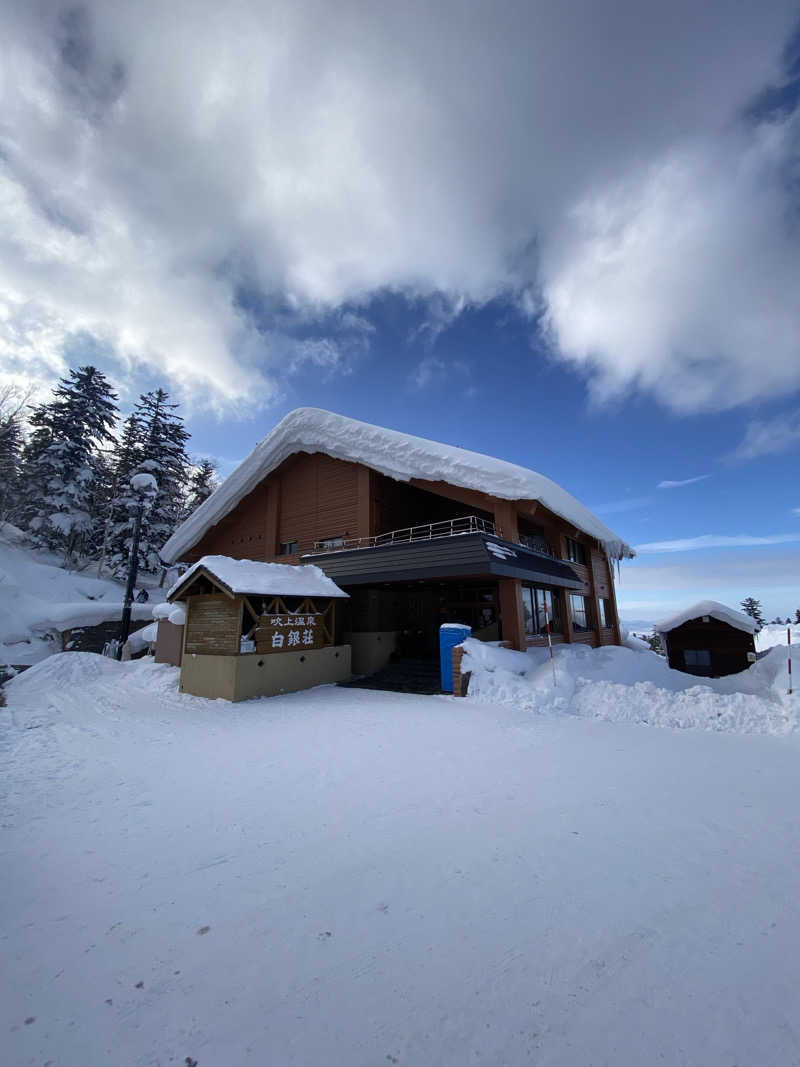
<point x="718" y="611"/>
<point x="397" y="455"/>
<point x="261" y="579"/>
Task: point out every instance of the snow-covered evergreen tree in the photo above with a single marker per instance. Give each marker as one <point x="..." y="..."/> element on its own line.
<point x="60" y="461"/>
<point x="752" y="607"/>
<point x="10" y="465"/>
<point x="797" y="616"/>
<point x="203" y="482"/>
<point x="153" y="442"/>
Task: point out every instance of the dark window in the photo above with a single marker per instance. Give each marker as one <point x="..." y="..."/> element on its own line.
<point x="332" y="542"/>
<point x="606" y="614"/>
<point x="580" y="612"/>
<point x="539" y="605"/>
<point x="288" y="548"/>
<point x="697" y="657"/>
<point x="575" y="552"/>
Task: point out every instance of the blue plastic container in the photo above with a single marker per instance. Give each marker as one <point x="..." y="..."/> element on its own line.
<point x="450" y="635"/>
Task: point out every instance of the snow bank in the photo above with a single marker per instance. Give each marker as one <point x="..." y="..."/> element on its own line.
<point x="174" y="613"/>
<point x="713" y="608"/>
<point x="263" y="579"/>
<point x="623" y="685"/>
<point x="398" y="455"/>
<point x="775" y="634"/>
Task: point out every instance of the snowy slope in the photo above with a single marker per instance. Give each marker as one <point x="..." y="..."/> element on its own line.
<point x="37" y="597"/>
<point x="345" y="877"/>
<point x="397" y="455"/>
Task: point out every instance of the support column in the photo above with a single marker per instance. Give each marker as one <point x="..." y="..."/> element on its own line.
<point x="505" y="519"/>
<point x="364" y="502"/>
<point x="511" y="613"/>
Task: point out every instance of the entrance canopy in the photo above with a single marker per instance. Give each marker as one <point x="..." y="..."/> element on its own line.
<point x="466" y="555"/>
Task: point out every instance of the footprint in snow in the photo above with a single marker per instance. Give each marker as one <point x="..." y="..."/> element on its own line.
<point x="204" y="930"/>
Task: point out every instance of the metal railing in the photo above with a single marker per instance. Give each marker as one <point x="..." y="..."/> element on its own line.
<point x="429" y="531"/>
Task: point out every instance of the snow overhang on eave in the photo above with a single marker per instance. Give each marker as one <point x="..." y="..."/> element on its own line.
<point x="400" y="456"/>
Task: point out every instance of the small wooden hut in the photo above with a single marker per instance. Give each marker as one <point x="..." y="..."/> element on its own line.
<point x="709" y="639"/>
<point x="258" y="629"/>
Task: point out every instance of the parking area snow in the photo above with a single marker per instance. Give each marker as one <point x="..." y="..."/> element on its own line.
<point x="349" y="877"/>
<point x="634" y="685"/>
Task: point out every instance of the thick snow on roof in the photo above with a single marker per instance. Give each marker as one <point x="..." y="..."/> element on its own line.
<point x="397" y="455"/>
<point x="263" y="579"/>
<point x="716" y="610"/>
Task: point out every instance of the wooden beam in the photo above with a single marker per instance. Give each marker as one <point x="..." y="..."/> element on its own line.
<point x="505" y="519"/>
<point x="469" y="497"/>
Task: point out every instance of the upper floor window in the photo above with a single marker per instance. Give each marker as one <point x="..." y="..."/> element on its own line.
<point x="287" y="548"/>
<point x="332" y="542"/>
<point x="575" y="552"/>
<point x="581" y="613"/>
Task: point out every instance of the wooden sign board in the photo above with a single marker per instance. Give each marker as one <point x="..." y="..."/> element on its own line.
<point x="289" y="633"/>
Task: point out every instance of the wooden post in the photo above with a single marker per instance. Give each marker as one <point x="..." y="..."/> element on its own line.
<point x="272" y="519"/>
<point x="505" y="519"/>
<point x="364" y="502"/>
<point x="511" y="613"/>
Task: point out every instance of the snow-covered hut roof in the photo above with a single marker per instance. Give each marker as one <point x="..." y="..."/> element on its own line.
<point x="261" y="579"/>
<point x="718" y="611"/>
<point x="397" y="455"/>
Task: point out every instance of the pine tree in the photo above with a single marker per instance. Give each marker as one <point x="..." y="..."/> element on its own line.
<point x="153" y="442"/>
<point x="10" y="465"/>
<point x="752" y="607"/>
<point x="797" y="617"/>
<point x="60" y="461"/>
<point x="203" y="483"/>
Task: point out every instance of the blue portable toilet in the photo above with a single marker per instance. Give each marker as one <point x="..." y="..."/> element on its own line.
<point x="450" y="635"/>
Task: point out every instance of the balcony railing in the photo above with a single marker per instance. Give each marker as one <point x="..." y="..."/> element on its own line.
<point x="429" y="531"/>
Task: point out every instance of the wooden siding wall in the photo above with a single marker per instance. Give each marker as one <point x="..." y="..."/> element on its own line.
<point x="727" y="645"/>
<point x="213" y="625"/>
<point x="308" y="498"/>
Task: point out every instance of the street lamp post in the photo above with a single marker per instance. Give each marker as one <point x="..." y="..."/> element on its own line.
<point x="145" y="487"/>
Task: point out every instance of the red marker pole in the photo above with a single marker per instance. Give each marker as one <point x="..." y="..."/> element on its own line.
<point x="549" y="642"/>
<point x="789" y="643"/>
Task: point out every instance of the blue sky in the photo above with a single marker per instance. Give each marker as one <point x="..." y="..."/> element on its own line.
<point x="567" y="235"/>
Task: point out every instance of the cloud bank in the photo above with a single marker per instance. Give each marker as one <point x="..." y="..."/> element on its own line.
<point x="210" y="190"/>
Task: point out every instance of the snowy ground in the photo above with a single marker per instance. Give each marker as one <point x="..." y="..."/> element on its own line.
<point x="345" y="877"/>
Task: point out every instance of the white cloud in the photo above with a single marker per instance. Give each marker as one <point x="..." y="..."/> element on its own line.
<point x="765" y="437"/>
<point x="690" y="544"/>
<point x="685" y="481"/>
<point x="317" y="153"/>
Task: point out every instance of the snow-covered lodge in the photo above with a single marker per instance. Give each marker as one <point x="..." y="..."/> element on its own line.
<point x="418" y="534"/>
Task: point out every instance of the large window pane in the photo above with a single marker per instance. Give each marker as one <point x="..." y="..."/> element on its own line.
<point x="527" y="607"/>
<point x="579" y="610"/>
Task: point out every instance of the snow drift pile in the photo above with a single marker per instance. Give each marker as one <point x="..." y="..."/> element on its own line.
<point x="624" y="685"/>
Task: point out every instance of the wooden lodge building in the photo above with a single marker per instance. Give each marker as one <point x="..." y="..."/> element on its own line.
<point x="418" y="534"/>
